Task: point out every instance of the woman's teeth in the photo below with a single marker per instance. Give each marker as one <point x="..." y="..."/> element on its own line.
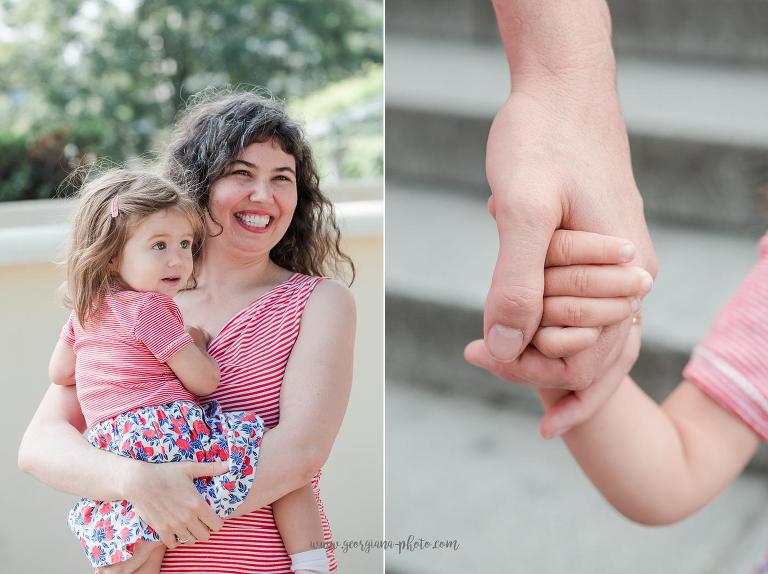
<point x="253" y="220"/>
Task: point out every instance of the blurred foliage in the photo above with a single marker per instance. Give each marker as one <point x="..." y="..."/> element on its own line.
<point x="87" y="78"/>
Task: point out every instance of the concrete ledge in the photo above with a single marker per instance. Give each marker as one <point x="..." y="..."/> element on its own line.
<point x="717" y="30"/>
<point x="699" y="134"/>
<point x="37" y="231"/>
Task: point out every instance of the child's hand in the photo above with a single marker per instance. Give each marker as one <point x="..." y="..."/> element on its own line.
<point x="580" y="298"/>
<point x="200" y="337"/>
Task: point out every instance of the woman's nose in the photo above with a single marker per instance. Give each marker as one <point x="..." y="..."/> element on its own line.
<point x="260" y="191"/>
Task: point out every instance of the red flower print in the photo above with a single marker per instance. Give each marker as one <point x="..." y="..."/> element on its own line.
<point x="182" y="443"/>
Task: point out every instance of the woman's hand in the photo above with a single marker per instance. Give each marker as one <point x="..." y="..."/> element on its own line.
<point x="579" y="300"/>
<point x="165" y="497"/>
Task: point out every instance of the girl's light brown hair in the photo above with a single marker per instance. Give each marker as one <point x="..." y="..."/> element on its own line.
<point x="98" y="237"/>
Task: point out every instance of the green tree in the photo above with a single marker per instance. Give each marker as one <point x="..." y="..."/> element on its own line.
<point x="120" y="70"/>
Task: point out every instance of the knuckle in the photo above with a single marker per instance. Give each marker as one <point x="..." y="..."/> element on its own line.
<point x="580" y="280"/>
<point x="518" y="298"/>
<point x="564" y="246"/>
<point x="574" y="313"/>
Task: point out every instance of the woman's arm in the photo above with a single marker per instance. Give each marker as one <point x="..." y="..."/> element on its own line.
<point x="659" y="464"/>
<point x="54" y="451"/>
<point x="313" y="398"/>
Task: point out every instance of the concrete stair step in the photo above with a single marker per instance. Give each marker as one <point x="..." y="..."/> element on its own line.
<point x="699" y="133"/>
<point x="441" y="251"/>
<point x="714" y="30"/>
<point x="462" y="470"/>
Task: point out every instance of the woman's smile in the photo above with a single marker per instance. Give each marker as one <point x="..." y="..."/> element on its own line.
<point x="254" y="221"/>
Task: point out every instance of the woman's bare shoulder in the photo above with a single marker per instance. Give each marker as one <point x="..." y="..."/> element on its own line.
<point x="331" y="302"/>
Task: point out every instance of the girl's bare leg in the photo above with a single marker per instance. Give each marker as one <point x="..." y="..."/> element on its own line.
<point x="141" y="555"/>
<point x="153" y="563"/>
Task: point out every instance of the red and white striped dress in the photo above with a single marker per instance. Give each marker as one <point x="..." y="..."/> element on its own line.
<point x="731" y="363"/>
<point x="252" y="351"/>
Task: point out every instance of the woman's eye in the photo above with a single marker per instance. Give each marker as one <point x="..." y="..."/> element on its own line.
<point x="283" y="178"/>
<point x="242" y="172"/>
<point x="185" y="244"/>
<point x="159" y="246"/>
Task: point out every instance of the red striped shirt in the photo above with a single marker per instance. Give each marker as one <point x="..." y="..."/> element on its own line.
<point x="120" y="359"/>
<point x="731" y="363"/>
<point x="252" y="351"/>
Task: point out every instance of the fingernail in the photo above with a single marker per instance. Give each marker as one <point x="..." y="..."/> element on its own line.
<point x="647" y="284"/>
<point x="504" y="343"/>
<point x="635" y="305"/>
<point x="628" y="251"/>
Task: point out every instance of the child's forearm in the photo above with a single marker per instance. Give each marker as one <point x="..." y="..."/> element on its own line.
<point x="659" y="464"/>
<point x="298" y="520"/>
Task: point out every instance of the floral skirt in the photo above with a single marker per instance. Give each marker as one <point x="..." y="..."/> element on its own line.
<point x="178" y="431"/>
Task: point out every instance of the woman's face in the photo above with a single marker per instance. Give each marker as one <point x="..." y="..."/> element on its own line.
<point x="255" y="199"/>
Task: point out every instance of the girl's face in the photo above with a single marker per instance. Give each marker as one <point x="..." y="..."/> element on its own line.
<point x="158" y="254"/>
<point x="254" y="200"/>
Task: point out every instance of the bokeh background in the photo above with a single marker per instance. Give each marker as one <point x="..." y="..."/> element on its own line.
<point x="464" y="460"/>
<point x="85" y="80"/>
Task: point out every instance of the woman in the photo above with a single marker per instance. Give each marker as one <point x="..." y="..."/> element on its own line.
<point x="283" y="339"/>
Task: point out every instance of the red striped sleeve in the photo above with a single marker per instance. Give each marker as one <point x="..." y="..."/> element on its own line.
<point x="731" y="363"/>
<point x="160" y="327"/>
<point x="68" y="330"/>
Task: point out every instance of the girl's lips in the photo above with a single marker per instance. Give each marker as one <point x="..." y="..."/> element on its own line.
<point x="172" y="280"/>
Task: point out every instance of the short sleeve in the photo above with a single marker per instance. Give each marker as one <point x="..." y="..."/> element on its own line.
<point x="160" y="327"/>
<point x="68" y="330"/>
<point x="731" y="363"/>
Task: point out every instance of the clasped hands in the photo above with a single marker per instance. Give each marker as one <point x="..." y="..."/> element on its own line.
<point x="588" y="287"/>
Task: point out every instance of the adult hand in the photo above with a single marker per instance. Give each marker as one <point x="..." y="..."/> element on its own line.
<point x="165" y="497"/>
<point x="557" y="157"/>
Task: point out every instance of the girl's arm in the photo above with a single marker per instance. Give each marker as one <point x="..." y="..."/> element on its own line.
<point x="194" y="367"/>
<point x="659" y="464"/>
<point x="61" y="368"/>
<point x="313" y="399"/>
<point x="298" y="520"/>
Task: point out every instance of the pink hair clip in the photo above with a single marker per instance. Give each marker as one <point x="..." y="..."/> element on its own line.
<point x="115" y="206"/>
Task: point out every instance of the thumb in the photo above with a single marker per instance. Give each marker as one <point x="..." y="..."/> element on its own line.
<point x="515" y="300"/>
<point x="198" y="469"/>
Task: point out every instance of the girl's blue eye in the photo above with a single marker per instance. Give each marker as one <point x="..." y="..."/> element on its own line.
<point x="186" y="244"/>
<point x="159" y="246"/>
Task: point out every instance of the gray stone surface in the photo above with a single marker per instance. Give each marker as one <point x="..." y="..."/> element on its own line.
<point x="699" y="133"/>
<point x="465" y="470"/>
<point x="716" y="30"/>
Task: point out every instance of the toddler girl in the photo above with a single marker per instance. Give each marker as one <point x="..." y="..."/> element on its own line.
<point x="658" y="464"/>
<point x="138" y="371"/>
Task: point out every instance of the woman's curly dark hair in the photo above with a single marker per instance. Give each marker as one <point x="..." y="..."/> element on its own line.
<point x="214" y="130"/>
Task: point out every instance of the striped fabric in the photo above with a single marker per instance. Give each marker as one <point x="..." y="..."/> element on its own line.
<point x="120" y="359"/>
<point x="252" y="351"/>
<point x="731" y="363"/>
